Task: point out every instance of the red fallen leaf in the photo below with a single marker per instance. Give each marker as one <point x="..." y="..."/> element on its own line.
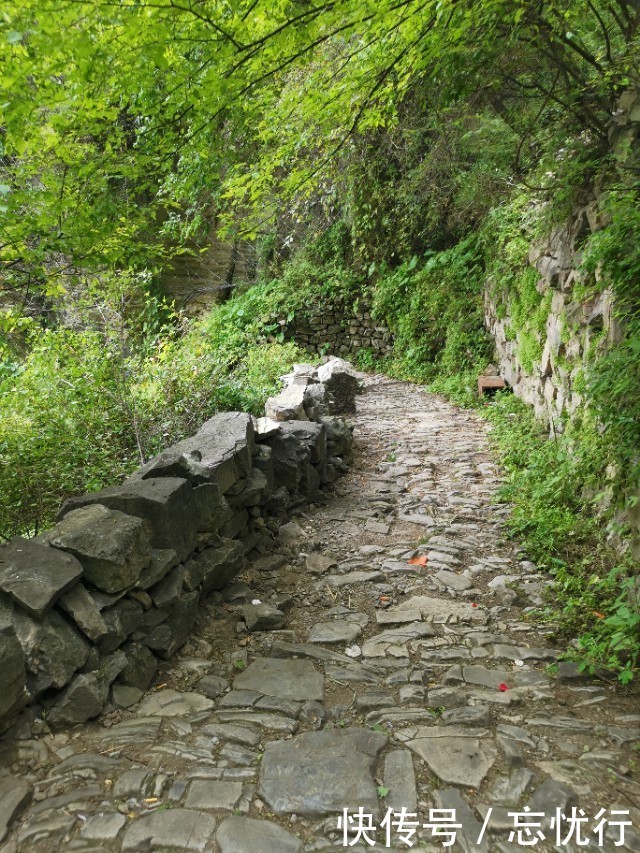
<point x="502" y="688"/>
<point x="418" y="561"/>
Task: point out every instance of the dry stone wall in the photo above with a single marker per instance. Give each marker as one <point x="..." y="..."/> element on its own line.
<point x="575" y="329"/>
<point x="338" y="328"/>
<point x="88" y="607"/>
<point x="543" y="366"/>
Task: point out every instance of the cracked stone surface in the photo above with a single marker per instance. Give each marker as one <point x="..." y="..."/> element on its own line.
<point x="379" y="671"/>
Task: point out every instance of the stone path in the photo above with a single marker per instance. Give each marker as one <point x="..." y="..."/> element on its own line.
<point x="389" y="667"/>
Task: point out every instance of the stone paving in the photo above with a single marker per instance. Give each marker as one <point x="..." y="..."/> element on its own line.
<point x="381" y="662"/>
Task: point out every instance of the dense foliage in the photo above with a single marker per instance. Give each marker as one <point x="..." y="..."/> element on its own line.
<point x="401" y="152"/>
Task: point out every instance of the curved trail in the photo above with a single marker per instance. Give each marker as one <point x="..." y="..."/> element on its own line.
<point x="392" y="685"/>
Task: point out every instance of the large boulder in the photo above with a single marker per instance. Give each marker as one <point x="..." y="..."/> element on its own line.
<point x="339" y="437"/>
<point x="113" y="547"/>
<point x="53" y="650"/>
<point x="167" y="504"/>
<point x="312" y="435"/>
<point x="317" y="402"/>
<point x="302" y="374"/>
<point x="289" y="455"/>
<point x="35" y="576"/>
<point x="220" y="453"/>
<point x="342" y="383"/>
<point x="221" y="564"/>
<point x="287" y="405"/>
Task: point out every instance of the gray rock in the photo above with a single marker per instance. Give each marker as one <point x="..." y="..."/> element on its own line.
<point x="219" y="453"/>
<point x="140" y="668"/>
<point x="552" y="795"/>
<point x="211" y="794"/>
<point x="339" y="436"/>
<point x="509" y="790"/>
<point x="287" y="405"/>
<point x="289" y="457"/>
<point x="312" y="435"/>
<point x="53" y="650"/>
<point x="321" y="772"/>
<point x="121" y="620"/>
<point x="162" y="561"/>
<point x="286" y="679"/>
<point x="83" y="699"/>
<point x="15" y="795"/>
<point x="80" y="606"/>
<point x="245" y="735"/>
<point x="123" y="696"/>
<point x="169" y="590"/>
<point x="103" y="827"/>
<point x="317" y="402"/>
<point x="478" y="715"/>
<point x="318" y="564"/>
<point x="170" y="703"/>
<point x="290" y="533"/>
<point x="501" y="650"/>
<point x="341" y="382"/>
<point x="249" y="491"/>
<point x="468" y="834"/>
<point x="167" y="504"/>
<point x="220" y="564"/>
<point x="456" y="582"/>
<point x="175" y="828"/>
<point x="400" y="778"/>
<point x="12" y="674"/>
<point x="337" y="631"/>
<point x="246" y="835"/>
<point x="336" y="581"/>
<point x="457" y="756"/>
<point x="112" y="547"/>
<point x="262" y="617"/>
<point x="212" y="686"/>
<point x="173" y="633"/>
<point x="212" y="508"/>
<point x="34" y="575"/>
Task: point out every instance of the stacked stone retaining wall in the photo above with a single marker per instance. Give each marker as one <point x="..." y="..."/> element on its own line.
<point x="88" y="607"/>
<point x="338" y="328"/>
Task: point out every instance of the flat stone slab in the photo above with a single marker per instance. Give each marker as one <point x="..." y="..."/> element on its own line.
<point x="175" y="828"/>
<point x="441" y="610"/>
<point x="282" y="677"/>
<point x="382" y="643"/>
<point x="336" y="581"/>
<point x="458" y="583"/>
<point x="397" y="617"/>
<point x="338" y="631"/>
<point x="35" y="576"/>
<point x="246" y="835"/>
<point x="171" y="703"/>
<point x="14" y="796"/>
<point x="318" y="773"/>
<point x="501" y="650"/>
<point x="457" y="756"/>
<point x="210" y="794"/>
<point x="318" y="564"/>
<point x="469" y="832"/>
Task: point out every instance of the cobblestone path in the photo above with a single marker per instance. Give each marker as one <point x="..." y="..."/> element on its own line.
<point x="396" y="683"/>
